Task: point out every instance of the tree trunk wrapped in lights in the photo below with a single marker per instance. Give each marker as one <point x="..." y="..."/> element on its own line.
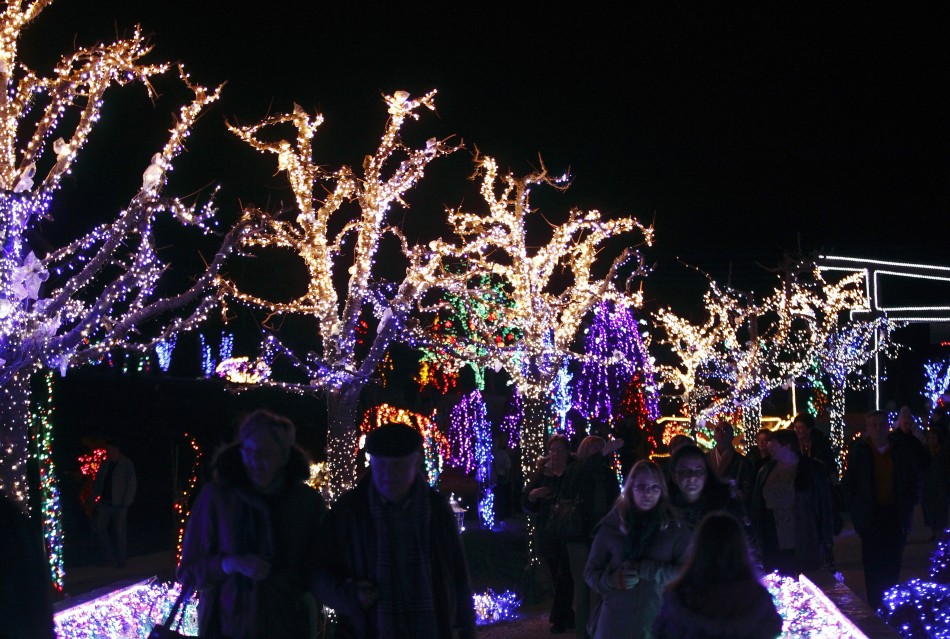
<point x="342" y="367"/>
<point x="97" y="293"/>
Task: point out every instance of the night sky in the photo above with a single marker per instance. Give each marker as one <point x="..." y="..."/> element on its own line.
<point x="742" y="131"/>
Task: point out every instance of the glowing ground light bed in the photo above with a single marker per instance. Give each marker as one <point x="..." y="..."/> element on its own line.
<point x="132" y="611"/>
<point x="807" y="611"/>
<point x="127" y="613"/>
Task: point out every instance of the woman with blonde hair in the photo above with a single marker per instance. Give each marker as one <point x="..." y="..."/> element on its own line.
<point x="637" y="549"/>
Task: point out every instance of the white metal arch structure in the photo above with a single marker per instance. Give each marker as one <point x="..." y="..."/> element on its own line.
<point x="881" y="276"/>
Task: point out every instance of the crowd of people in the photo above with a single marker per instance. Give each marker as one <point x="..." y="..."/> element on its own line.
<point x="677" y="551"/>
<point x="653" y="563"/>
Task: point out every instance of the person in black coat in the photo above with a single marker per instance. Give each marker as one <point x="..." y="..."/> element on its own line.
<point x="26" y="610"/>
<point x="539" y="498"/>
<point x="881" y="486"/>
<point x="718" y="594"/>
<point x="591" y="485"/>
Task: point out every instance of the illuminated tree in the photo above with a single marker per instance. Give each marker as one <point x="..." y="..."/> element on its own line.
<point x="551" y="285"/>
<point x="707" y="351"/>
<point x="317" y="233"/>
<point x="937" y="380"/>
<point x="616" y="378"/>
<point x="747" y="348"/>
<point x="62" y="307"/>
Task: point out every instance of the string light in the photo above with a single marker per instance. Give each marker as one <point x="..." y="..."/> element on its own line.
<point x="936" y="380"/>
<point x="806" y="611"/>
<point x="747" y="348"/>
<point x="491" y="607"/>
<point x="469" y="438"/>
<point x="616" y="378"/>
<point x="134" y="610"/>
<point x="51" y="512"/>
<point x="127" y="612"/>
<point x="495" y="243"/>
<point x="183" y="499"/>
<point x="94" y="295"/>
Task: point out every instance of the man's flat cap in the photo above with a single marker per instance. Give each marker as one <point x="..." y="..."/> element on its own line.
<point x="393" y="440"/>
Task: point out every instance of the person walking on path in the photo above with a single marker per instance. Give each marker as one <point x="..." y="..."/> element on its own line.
<point x="251" y="539"/>
<point x="881" y="486"/>
<point x="591" y="484"/>
<point x="114" y="492"/>
<point x="539" y="498"/>
<point x="638" y="547"/>
<point x="391" y="563"/>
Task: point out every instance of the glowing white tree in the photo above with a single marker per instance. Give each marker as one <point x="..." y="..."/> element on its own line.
<point x="66" y="306"/>
<point x="548" y="306"/>
<point x="711" y="350"/>
<point x="317" y="233"/>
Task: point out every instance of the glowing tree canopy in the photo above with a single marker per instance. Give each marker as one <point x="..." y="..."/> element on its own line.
<point x="547" y="305"/>
<point x="341" y="234"/>
<point x="747" y="348"/>
<point x="703" y="351"/>
<point x="60" y="307"/>
<point x="937" y="380"/>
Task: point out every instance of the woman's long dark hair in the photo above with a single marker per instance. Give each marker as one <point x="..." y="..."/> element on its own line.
<point x="719" y="555"/>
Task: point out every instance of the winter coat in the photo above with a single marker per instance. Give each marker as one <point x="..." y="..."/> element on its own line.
<point x="737" y="471"/>
<point x="813" y="516"/>
<point x="594" y="483"/>
<point x="231" y="518"/>
<point x="543" y="508"/>
<point x="858" y="483"/>
<point x="349" y="556"/>
<point x="822" y="451"/>
<point x="629" y="614"/>
<point x="717" y="495"/>
<point x="742" y="610"/>
<point x="26" y="609"/>
<point x="123" y="482"/>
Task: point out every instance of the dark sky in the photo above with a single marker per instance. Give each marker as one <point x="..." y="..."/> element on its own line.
<point x="742" y="130"/>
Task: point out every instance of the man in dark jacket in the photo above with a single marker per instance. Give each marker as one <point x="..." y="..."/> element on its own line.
<point x="393" y="564"/>
<point x="881" y="485"/>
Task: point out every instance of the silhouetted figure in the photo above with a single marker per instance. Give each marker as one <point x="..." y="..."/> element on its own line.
<point x="26" y="611"/>
<point x="251" y="540"/>
<point x="718" y="594"/>
<point x="392" y="564"/>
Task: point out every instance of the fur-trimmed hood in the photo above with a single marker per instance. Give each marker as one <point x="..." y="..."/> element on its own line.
<point x="228" y="468"/>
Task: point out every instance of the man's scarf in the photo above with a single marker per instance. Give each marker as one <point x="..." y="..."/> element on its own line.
<point x="418" y="604"/>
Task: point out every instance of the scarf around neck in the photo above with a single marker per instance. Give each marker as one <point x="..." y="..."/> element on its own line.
<point x="401" y="610"/>
<point x="641" y="528"/>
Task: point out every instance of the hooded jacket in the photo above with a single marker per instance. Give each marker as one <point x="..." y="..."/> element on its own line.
<point x="230" y="517"/>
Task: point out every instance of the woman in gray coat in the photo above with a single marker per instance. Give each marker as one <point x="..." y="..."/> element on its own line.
<point x="637" y="548"/>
